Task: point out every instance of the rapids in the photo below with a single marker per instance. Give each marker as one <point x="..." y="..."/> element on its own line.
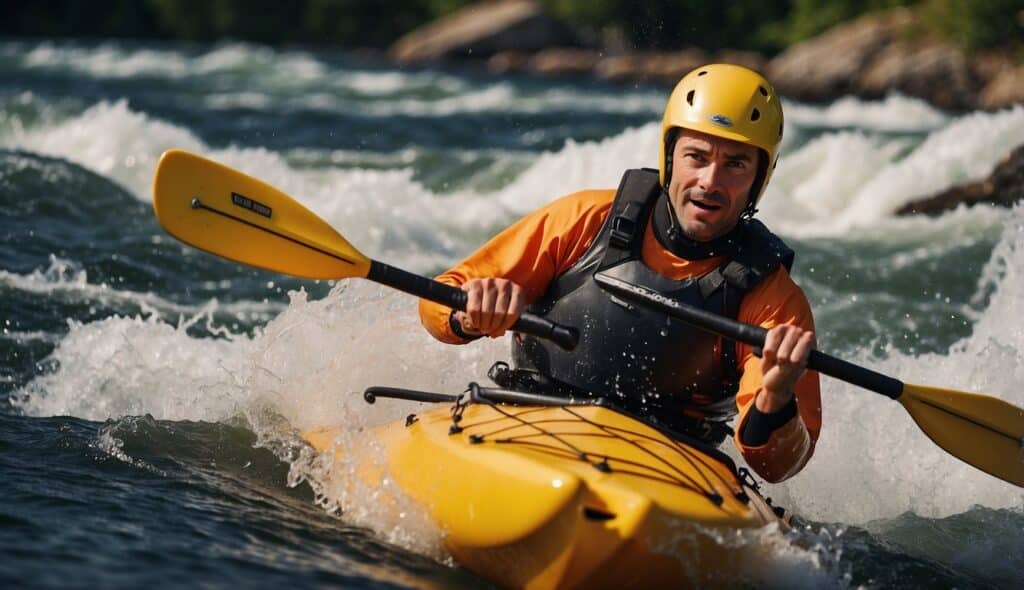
<point x="150" y="394"/>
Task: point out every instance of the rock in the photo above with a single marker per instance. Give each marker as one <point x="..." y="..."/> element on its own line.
<point x="666" y="67"/>
<point x="1005" y="90"/>
<point x="1004" y="187"/>
<point x="564" y="60"/>
<point x="482" y="30"/>
<point x="990" y="65"/>
<point x="932" y="70"/>
<point x="747" y="59"/>
<point x="507" y="61"/>
<point x="826" y="66"/>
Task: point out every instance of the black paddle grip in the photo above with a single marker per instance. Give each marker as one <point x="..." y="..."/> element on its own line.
<point x="453" y="297"/>
<point x="748" y="334"/>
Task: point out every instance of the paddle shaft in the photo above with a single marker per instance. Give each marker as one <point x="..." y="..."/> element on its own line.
<point x="456" y="298"/>
<point x="752" y="335"/>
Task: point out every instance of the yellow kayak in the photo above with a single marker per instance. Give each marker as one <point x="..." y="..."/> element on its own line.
<point x="566" y="496"/>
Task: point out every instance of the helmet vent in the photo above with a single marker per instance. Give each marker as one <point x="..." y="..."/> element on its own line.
<point x="762" y="90"/>
<point x="755" y="115"/>
<point x="780" y="130"/>
<point x="703" y="73"/>
<point x="689" y="97"/>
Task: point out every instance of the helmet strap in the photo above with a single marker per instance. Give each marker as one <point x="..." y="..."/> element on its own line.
<point x="755" y="188"/>
<point x="670" y="147"/>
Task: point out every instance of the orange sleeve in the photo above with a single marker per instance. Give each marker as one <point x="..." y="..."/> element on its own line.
<point x="778" y="300"/>
<point x="531" y="252"/>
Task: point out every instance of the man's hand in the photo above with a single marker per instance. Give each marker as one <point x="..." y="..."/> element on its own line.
<point x="492" y="306"/>
<point x="783" y="361"/>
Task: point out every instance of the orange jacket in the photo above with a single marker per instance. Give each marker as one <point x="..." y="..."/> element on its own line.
<point x="546" y="243"/>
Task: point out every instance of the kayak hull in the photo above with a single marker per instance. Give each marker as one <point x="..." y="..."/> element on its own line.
<point x="569" y="497"/>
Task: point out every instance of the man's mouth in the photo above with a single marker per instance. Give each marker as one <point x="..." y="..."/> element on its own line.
<point x="705" y="205"/>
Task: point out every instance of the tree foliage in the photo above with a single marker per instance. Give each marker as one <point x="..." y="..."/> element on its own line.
<point x="979" y="24"/>
<point x="763" y="25"/>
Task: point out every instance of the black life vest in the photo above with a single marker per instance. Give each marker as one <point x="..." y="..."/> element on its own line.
<point x="638" y="359"/>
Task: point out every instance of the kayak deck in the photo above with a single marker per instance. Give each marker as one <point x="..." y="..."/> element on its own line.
<point x="567" y="496"/>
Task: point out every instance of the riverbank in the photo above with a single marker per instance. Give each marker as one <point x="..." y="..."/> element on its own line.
<point x="869" y="57"/>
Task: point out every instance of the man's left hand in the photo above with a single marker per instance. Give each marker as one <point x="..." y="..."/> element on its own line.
<point x="783" y="361"/>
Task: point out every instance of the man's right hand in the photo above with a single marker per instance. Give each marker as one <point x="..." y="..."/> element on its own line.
<point x="492" y="306"/>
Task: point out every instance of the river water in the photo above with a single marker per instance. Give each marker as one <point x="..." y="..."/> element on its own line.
<point x="150" y="393"/>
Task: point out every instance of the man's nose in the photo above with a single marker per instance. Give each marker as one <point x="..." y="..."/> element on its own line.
<point x="711" y="177"/>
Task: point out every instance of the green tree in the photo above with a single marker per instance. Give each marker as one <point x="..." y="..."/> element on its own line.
<point x="978" y="24"/>
<point x="807" y="18"/>
<point x="671" y="24"/>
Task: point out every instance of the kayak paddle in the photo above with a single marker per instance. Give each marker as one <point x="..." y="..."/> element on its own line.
<point x="981" y="430"/>
<point x="225" y="212"/>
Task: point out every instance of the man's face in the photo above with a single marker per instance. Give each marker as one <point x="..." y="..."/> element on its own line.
<point x="710" y="185"/>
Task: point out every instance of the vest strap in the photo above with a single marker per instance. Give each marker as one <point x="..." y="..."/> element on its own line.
<point x="666" y="362"/>
<point x="632" y="205"/>
<point x="623" y="227"/>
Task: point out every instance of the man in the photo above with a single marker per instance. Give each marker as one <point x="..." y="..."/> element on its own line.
<point x="687" y="232"/>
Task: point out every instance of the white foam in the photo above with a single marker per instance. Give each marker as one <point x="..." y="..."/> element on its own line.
<point x="306" y="369"/>
<point x="282" y="72"/>
<point x="113" y="60"/>
<point x="132" y="366"/>
<point x="500" y="98"/>
<point x="873" y="462"/>
<point x="819" y="179"/>
<point x="894" y="113"/>
<point x="837" y="184"/>
<point x="842" y="184"/>
<point x="506" y="98"/>
<point x="19" y="337"/>
<point x="309" y="364"/>
<point x="65" y="280"/>
<point x="109" y="139"/>
<point x="297" y="79"/>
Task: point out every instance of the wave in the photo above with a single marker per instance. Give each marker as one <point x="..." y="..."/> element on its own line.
<point x="840" y="184"/>
<point x="311" y="361"/>
<point x="873" y="463"/>
<point x="837" y="184"/>
<point x="894" y="113"/>
<point x="120" y="60"/>
<point x="65" y="280"/>
<point x="109" y="139"/>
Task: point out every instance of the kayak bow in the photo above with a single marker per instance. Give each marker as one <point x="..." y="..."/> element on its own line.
<point x="562" y="494"/>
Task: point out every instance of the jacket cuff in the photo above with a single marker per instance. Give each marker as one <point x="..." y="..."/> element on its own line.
<point x="759" y="426"/>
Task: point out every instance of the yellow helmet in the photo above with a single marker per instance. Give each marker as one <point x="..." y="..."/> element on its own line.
<point x="727" y="101"/>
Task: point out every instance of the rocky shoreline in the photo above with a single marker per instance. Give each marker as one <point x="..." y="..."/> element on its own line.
<point x="868" y="57"/>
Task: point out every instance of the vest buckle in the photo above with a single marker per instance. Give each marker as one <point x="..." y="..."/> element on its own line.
<point x="624" y="228"/>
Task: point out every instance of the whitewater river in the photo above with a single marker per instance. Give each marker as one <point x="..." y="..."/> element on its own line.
<point x="150" y="393"/>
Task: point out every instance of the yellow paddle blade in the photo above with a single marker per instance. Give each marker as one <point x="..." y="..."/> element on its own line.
<point x="225" y="212"/>
<point x="984" y="431"/>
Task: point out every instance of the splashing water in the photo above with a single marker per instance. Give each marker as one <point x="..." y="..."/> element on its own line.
<point x="418" y="169"/>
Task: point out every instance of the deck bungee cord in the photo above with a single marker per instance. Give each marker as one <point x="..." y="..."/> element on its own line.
<point x="605" y="463"/>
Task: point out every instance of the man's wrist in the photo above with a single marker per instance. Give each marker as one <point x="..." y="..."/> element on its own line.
<point x="769" y="402"/>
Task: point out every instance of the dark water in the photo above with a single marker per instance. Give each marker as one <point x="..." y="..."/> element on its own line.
<point x="113" y="476"/>
<point x="181" y="503"/>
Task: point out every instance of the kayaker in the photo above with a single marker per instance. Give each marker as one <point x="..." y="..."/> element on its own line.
<point x="688" y="231"/>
